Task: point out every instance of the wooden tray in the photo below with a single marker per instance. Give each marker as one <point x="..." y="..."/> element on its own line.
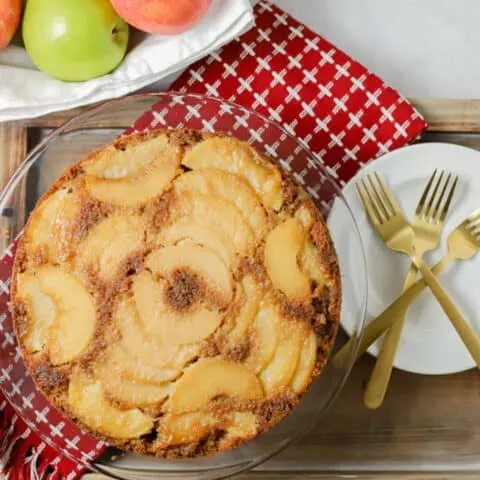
<point x="428" y="425"/>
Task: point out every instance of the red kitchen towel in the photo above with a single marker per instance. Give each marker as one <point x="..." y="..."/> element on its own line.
<point x="283" y="70"/>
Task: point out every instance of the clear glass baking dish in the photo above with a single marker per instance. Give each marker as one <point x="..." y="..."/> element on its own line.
<point x="101" y="124"/>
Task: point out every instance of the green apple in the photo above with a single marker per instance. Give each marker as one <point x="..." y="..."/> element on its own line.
<point x="74" y="40"/>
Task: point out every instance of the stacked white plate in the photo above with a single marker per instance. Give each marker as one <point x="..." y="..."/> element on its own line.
<point x="429" y="343"/>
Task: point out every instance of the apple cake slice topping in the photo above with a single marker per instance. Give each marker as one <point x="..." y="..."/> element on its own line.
<point x="132" y="176"/>
<point x="61" y="313"/>
<point x="109" y="243"/>
<point x="231" y="187"/>
<point x="87" y="401"/>
<point x="282" y="248"/>
<point x="51" y="231"/>
<point x="210" y="378"/>
<point x="238" y="157"/>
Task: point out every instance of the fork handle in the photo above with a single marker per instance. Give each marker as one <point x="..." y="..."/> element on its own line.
<point x="378" y="383"/>
<point x="385" y="320"/>
<point x="463" y="328"/>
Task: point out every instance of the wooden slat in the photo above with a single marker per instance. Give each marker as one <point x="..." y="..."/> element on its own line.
<point x="13" y="142"/>
<point x="443" y="115"/>
<point x="328" y="476"/>
<point x="450" y="115"/>
<point x="13" y="148"/>
<point x="426" y="423"/>
<point x="54" y="120"/>
<point x="121" y="118"/>
<point x="471" y="140"/>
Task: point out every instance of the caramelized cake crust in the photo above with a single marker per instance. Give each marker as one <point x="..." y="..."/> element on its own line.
<point x="175" y="293"/>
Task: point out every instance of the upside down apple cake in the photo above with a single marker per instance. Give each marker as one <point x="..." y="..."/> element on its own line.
<point x="175" y="293"/>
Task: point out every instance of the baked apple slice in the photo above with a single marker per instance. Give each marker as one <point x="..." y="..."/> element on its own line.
<point x="127" y="392"/>
<point x="184" y="305"/>
<point x="193" y="427"/>
<point x="187" y="428"/>
<point x="109" y="244"/>
<point x="248" y="292"/>
<point x="87" y="401"/>
<point x="209" y="378"/>
<point x="231" y="187"/>
<point x="185" y="232"/>
<point x="219" y="216"/>
<point x="134" y="174"/>
<point x="243" y="425"/>
<point x="202" y="262"/>
<point x="41" y="311"/>
<point x="308" y="259"/>
<point x="238" y="157"/>
<point x="306" y="364"/>
<point x="134" y="369"/>
<point x="282" y="249"/>
<point x="280" y="371"/>
<point x="154" y="350"/>
<point x="61" y="313"/>
<point x="265" y="335"/>
<point x="51" y="226"/>
<point x="162" y="318"/>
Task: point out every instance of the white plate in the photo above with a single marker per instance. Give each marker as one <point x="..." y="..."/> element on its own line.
<point x="429" y="344"/>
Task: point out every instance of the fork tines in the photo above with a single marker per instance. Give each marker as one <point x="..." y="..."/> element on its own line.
<point x="376" y="198"/>
<point x="434" y="205"/>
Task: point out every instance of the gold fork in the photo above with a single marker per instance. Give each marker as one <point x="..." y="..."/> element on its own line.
<point x="462" y="244"/>
<point x="398" y="234"/>
<point x="427" y="224"/>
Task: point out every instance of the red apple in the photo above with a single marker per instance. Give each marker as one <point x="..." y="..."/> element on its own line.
<point x="163" y="17"/>
<point x="10" y="13"/>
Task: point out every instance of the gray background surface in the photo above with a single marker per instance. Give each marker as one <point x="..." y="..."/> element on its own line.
<point x="424" y="48"/>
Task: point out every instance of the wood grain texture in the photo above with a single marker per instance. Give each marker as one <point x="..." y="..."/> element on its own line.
<point x="450" y="115"/>
<point x="426" y="423"/>
<point x="13" y="148"/>
<point x="122" y="118"/>
<point x="428" y="427"/>
<point x="328" y="476"/>
<point x="305" y="475"/>
<point x="443" y="115"/>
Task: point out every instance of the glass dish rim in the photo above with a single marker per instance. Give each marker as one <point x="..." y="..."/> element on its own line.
<point x="33" y="155"/>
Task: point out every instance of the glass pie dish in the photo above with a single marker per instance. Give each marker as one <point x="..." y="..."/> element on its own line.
<point x="70" y="143"/>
